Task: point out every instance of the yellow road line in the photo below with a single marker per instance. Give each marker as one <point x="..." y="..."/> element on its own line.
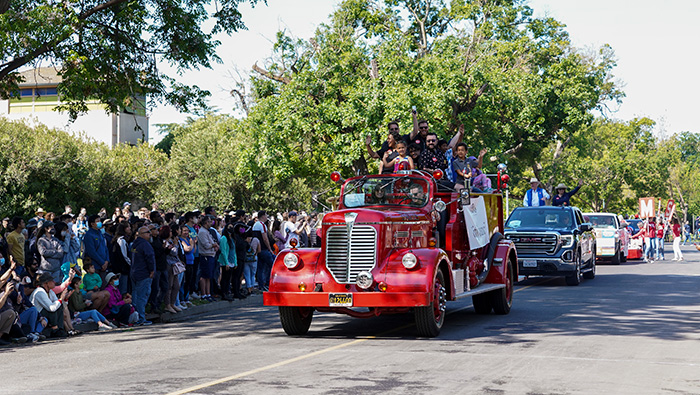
<point x="315" y="353"/>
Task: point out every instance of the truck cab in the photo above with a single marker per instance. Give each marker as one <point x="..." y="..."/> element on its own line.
<point x="398" y="243"/>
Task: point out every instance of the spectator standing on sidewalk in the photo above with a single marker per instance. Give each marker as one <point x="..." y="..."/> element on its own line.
<point x="16" y="241"/>
<point x="96" y="246"/>
<point x="120" y="257"/>
<point x="51" y="251"/>
<point x="187" y="245"/>
<point x="265" y="257"/>
<point x="677" y="254"/>
<point x="207" y="251"/>
<point x="160" y="279"/>
<point x="143" y="266"/>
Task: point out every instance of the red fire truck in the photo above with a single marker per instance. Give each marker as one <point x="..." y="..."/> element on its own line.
<point x="399" y="243"/>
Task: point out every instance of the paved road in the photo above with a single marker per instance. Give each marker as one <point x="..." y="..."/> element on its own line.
<point x="634" y="329"/>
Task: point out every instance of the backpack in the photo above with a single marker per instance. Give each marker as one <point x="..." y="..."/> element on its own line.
<point x="250" y="255"/>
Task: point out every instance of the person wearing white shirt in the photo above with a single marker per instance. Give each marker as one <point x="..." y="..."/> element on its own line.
<point x="48" y="304"/>
<point x="535" y="196"/>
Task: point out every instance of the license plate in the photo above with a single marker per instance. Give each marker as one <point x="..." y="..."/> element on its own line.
<point x="529" y="263"/>
<point x="340" y="300"/>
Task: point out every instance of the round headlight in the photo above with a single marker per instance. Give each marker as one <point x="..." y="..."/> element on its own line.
<point x="409" y="261"/>
<point x="364" y="280"/>
<point x="291" y="260"/>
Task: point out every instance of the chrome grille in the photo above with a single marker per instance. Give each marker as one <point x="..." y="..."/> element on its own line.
<point x="526" y="243"/>
<point x="362" y="248"/>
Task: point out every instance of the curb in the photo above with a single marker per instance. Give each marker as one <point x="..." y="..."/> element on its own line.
<point x="250" y="301"/>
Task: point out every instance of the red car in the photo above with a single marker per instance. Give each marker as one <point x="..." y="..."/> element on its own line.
<point x="398" y="244"/>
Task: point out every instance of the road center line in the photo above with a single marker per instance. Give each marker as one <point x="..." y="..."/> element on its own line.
<point x="315" y="353"/>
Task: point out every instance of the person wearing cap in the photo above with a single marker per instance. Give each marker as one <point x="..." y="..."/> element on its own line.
<point x="143" y="267"/>
<point x="535" y="196"/>
<point x="562" y="197"/>
<point x="96" y="245"/>
<point x="119" y="307"/>
<point x="51" y="251"/>
<point x="49" y="305"/>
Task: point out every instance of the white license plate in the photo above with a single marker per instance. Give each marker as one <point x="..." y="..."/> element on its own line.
<point x="529" y="263"/>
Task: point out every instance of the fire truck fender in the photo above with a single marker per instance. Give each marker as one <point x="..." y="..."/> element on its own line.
<point x="284" y="279"/>
<point x="504" y="252"/>
<point x="420" y="278"/>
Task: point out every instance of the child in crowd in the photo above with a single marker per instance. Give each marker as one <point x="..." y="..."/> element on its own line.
<point x="461" y="167"/>
<point x="401" y="148"/>
<point x="92" y="281"/>
<point x="84" y="309"/>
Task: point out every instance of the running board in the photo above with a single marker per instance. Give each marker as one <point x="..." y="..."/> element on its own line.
<point x="483" y="288"/>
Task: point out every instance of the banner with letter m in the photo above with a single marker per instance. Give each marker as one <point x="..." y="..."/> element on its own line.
<point x="646" y="207"/>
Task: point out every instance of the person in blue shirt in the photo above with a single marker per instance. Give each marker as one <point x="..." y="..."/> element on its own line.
<point x="535" y="196"/>
<point x="96" y="246"/>
<point x="562" y="197"/>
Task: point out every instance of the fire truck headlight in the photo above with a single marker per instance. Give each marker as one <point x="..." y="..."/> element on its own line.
<point x="409" y="261"/>
<point x="291" y="260"/>
<point x="365" y="280"/>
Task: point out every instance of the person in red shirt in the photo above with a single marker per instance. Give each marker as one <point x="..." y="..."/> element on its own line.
<point x="649" y="239"/>
<point x="677" y="254"/>
<point x="660" y="231"/>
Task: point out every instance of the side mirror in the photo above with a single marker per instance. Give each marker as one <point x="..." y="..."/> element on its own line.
<point x="439" y="206"/>
<point x="586" y="227"/>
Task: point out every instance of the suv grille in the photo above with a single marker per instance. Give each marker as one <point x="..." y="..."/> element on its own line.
<point x="534" y="243"/>
<point x="361" y="247"/>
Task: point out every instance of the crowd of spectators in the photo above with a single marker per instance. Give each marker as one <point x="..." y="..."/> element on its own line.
<point x="60" y="270"/>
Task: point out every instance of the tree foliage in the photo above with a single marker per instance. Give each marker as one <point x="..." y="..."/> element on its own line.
<point x="110" y="50"/>
<point x="514" y="80"/>
<point x="50" y="168"/>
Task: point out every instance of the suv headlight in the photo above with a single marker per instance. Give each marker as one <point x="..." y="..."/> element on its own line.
<point x="567" y="241"/>
<point x="364" y="280"/>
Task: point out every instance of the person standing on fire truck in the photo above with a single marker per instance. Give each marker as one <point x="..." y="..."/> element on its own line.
<point x="432" y="158"/>
<point x="535" y="196"/>
<point x="388" y="150"/>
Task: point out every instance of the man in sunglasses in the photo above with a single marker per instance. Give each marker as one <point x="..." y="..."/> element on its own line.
<point x="432" y="158"/>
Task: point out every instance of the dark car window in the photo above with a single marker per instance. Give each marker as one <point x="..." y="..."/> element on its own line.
<point x="553" y="218"/>
<point x="579" y="218"/>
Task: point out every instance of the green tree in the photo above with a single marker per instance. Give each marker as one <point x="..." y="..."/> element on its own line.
<point x="111" y="50"/>
<point x="50" y="168"/>
<point x="514" y="80"/>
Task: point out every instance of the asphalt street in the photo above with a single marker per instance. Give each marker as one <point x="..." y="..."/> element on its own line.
<point x="634" y="329"/>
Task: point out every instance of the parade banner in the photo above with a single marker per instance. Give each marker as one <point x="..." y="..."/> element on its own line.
<point x="477" y="223"/>
<point x="646" y="207"/>
<point x="670" y="209"/>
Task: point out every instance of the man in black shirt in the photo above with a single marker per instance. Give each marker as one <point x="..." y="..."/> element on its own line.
<point x="387" y="151"/>
<point x="432" y="158"/>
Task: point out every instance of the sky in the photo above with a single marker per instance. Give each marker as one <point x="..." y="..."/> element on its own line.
<point x="654" y="42"/>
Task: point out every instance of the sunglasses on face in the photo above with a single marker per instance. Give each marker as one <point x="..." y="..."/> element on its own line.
<point x="432" y="141"/>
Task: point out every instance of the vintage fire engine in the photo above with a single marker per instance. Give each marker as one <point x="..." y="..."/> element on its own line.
<point x="399" y="243"/>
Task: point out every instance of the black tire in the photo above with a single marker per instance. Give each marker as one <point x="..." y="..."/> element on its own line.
<point x="296" y="320"/>
<point x="616" y="258"/>
<point x="502" y="299"/>
<point x="575" y="278"/>
<point x="429" y="319"/>
<point x="590" y="275"/>
<point x="482" y="303"/>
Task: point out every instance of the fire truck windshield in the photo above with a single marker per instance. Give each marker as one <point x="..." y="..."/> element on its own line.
<point x="387" y="191"/>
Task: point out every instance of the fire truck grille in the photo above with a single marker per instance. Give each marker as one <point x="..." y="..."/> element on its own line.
<point x="534" y="243"/>
<point x="361" y="246"/>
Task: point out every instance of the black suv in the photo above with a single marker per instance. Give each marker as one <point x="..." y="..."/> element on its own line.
<point x="552" y="241"/>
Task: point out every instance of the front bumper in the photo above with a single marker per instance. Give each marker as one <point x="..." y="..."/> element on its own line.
<point x="545" y="266"/>
<point x="360" y="299"/>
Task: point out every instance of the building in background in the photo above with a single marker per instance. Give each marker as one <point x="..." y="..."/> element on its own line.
<point x="39" y="97"/>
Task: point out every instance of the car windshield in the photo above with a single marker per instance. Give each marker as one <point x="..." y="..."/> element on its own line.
<point x="549" y="218"/>
<point x="601" y="221"/>
<point x="634" y="223"/>
<point x="386" y="191"/>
